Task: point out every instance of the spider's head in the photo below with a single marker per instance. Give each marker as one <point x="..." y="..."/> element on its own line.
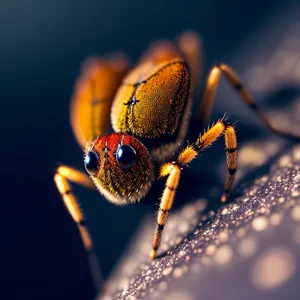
<point x="120" y="167"/>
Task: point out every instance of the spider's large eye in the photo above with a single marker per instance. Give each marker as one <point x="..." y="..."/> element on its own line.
<point x="126" y="157"/>
<point x="91" y="162"/>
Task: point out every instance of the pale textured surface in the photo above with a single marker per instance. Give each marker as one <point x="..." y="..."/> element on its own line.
<point x="248" y="248"/>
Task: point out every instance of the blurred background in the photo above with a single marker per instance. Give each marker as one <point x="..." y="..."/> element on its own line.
<point x="42" y="46"/>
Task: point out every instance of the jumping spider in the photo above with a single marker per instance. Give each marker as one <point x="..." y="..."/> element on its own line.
<point x="149" y="109"/>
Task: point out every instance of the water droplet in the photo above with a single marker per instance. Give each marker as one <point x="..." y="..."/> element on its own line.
<point x="223" y="255"/>
<point x="177" y="272"/>
<point x="260" y="223"/>
<point x="295" y="213"/>
<point x="211" y="249"/>
<point x="247" y="247"/>
<point x="275" y="267"/>
<point x="167" y="270"/>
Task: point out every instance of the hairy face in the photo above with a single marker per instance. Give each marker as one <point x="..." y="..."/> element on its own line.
<point x="120" y="167"/>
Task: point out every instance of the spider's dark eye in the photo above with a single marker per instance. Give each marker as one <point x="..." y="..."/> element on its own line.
<point x="91" y="162"/>
<point x="126" y="157"/>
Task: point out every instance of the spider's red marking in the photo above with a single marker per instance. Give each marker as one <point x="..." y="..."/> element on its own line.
<point x="111" y="142"/>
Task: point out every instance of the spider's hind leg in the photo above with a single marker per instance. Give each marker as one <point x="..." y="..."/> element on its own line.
<point x="235" y="82"/>
<point x="190" y="45"/>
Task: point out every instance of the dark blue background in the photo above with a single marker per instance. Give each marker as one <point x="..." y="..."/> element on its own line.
<point x="42" y="46"/>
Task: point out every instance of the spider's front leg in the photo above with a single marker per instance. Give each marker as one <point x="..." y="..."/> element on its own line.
<point x="62" y="177"/>
<point x="173" y="171"/>
<point x="165" y="205"/>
